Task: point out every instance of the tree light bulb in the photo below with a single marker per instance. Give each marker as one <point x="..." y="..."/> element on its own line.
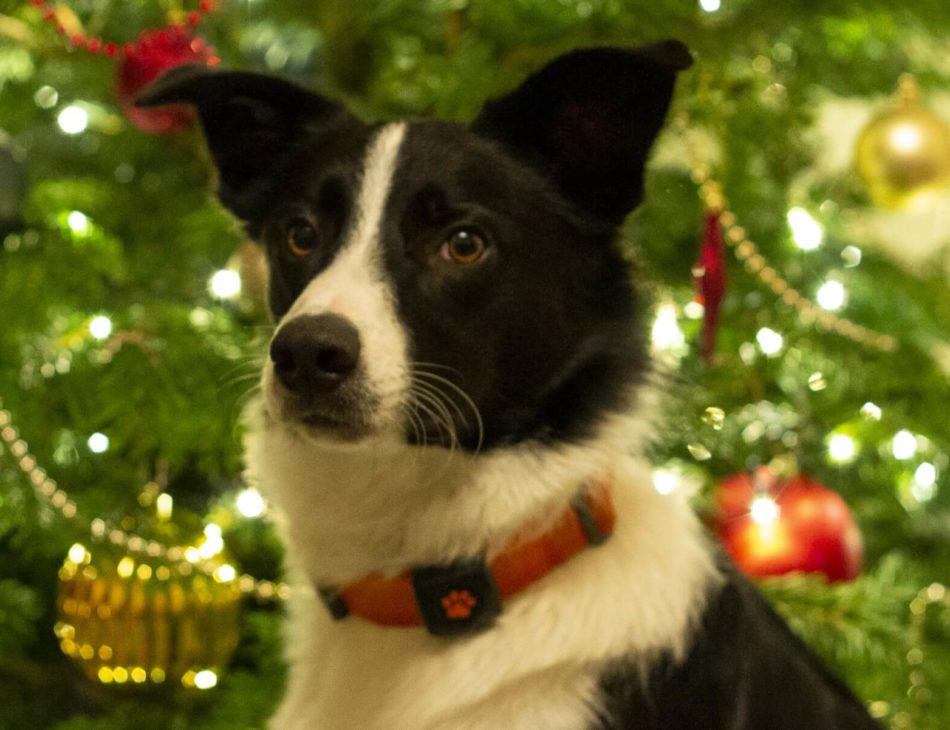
<point x="710" y="6"/>
<point x="205" y="679"/>
<point x="841" y="448"/>
<point x="770" y="341"/>
<point x="100" y="327"/>
<point x="806" y="231"/>
<point x="926" y="474"/>
<point x="164" y="506"/>
<point x="665" y="481"/>
<point x="764" y="511"/>
<point x="78" y="222"/>
<point x="666" y="332"/>
<point x="871" y="411"/>
<point x="904" y="445"/>
<point x="250" y="503"/>
<point x="98" y="443"/>
<point x="73" y="119"/>
<point x="694" y="310"/>
<point x="225" y="284"/>
<point x="213" y="542"/>
<point x="831" y="296"/>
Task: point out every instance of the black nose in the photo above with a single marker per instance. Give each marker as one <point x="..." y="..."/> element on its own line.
<point x="315" y="354"/>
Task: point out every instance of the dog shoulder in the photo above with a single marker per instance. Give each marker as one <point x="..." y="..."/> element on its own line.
<point x="745" y="669"/>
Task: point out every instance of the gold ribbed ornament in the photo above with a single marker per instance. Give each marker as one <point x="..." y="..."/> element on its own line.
<point x="903" y="155"/>
<point x="146" y="621"/>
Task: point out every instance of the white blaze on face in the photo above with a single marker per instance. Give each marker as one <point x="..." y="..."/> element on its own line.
<point x="355" y="286"/>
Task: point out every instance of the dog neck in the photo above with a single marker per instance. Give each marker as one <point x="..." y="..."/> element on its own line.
<point x="382" y="507"/>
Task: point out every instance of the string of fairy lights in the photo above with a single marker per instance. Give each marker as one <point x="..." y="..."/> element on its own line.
<point x="184" y="558"/>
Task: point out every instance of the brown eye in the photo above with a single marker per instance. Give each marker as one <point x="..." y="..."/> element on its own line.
<point x="301" y="238"/>
<point x="463" y="247"/>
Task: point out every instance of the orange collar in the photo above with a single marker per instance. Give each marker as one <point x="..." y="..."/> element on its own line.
<point x="466" y="596"/>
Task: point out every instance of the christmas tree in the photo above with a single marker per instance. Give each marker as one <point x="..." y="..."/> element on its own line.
<point x="795" y="233"/>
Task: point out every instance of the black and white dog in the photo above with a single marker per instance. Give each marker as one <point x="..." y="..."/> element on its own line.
<point x="452" y="398"/>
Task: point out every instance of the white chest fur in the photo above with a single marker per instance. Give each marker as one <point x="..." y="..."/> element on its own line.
<point x="636" y="595"/>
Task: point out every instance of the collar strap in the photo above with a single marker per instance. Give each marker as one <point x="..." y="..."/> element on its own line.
<point x="465" y="597"/>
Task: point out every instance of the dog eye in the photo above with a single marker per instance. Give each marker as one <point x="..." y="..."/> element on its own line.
<point x="301" y="237"/>
<point x="463" y="247"/>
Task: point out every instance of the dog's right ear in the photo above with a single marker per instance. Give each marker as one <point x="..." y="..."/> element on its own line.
<point x="250" y="121"/>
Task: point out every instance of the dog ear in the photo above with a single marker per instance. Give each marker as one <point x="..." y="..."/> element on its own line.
<point x="250" y="122"/>
<point x="587" y="120"/>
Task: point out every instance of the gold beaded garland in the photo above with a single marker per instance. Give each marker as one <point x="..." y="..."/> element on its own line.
<point x="101" y="532"/>
<point x="755" y="263"/>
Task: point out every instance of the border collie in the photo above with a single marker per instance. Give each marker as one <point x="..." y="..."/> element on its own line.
<point x="450" y="410"/>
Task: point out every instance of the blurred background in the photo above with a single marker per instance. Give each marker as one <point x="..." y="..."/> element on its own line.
<point x="794" y="239"/>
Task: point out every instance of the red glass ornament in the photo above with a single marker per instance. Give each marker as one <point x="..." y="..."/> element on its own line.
<point x="155" y="52"/>
<point x="812" y="530"/>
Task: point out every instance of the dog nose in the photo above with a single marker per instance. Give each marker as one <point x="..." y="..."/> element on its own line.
<point x="315" y="353"/>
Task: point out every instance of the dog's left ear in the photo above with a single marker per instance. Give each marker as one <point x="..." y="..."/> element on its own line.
<point x="250" y="121"/>
<point x="587" y="120"/>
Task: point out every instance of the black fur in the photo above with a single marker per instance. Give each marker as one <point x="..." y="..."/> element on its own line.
<point x="545" y="332"/>
<point x="745" y="669"/>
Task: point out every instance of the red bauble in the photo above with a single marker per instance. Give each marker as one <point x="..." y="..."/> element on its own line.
<point x="157" y="51"/>
<point x="811" y="530"/>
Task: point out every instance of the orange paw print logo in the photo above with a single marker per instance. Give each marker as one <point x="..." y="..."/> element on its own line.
<point x="458" y="604"/>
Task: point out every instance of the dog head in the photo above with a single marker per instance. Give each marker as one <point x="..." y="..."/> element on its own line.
<point x="444" y="283"/>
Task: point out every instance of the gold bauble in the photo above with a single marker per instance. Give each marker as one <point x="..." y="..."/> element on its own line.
<point x="903" y="155"/>
<point x="145" y="620"/>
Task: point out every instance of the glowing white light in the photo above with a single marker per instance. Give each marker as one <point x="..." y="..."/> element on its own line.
<point x="665" y="481"/>
<point x="905" y="138"/>
<point x="710" y="6"/>
<point x="831" y="296"/>
<point x="225" y="573"/>
<point x="164" y="506"/>
<point x="694" y="310"/>
<point x="78" y="222"/>
<point x="871" y="411"/>
<point x="806" y="231"/>
<point x="764" y="511"/>
<point x="205" y="679"/>
<point x="770" y="341"/>
<point x="842" y="448"/>
<point x="100" y="327"/>
<point x="213" y="543"/>
<point x="666" y="332"/>
<point x="73" y="120"/>
<point x="904" y="445"/>
<point x="225" y="284"/>
<point x="98" y="443"/>
<point x="77" y="553"/>
<point x="250" y="503"/>
<point x="926" y="474"/>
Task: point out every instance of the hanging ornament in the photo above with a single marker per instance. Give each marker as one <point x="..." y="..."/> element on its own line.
<point x="155" y="52"/>
<point x="140" y="62"/>
<point x="709" y="279"/>
<point x="144" y="620"/>
<point x="772" y="526"/>
<point x="903" y="155"/>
